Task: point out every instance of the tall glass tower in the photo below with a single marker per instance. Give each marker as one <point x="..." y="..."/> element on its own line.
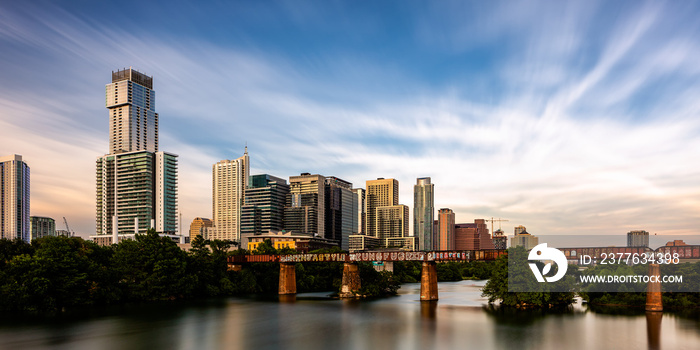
<point x="136" y="185"/>
<point x="423" y="213"/>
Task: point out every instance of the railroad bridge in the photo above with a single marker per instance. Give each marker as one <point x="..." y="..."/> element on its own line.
<point x="351" y="273"/>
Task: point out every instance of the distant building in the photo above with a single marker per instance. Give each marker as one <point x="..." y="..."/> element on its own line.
<point x="473" y="236"/>
<point x="466" y="237"/>
<point x="675" y="243"/>
<point x="380" y="193"/>
<point x="360" y="193"/>
<point x="263" y="211"/>
<point x="14" y="198"/>
<point x="638" y="238"/>
<point x="341" y="210"/>
<point x="392" y="221"/>
<point x="197" y="225"/>
<point x="519" y="229"/>
<point x="524" y="239"/>
<point x="41" y="227"/>
<point x="305" y="207"/>
<point x="446" y="229"/>
<point x="500" y="240"/>
<point x="401" y="243"/>
<point x="363" y="242"/>
<point x="302" y="242"/>
<point x="423" y="213"/>
<point x="229" y="178"/>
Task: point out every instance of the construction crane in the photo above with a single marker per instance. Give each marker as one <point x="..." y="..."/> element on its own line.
<point x="67" y="228"/>
<point x="493" y="220"/>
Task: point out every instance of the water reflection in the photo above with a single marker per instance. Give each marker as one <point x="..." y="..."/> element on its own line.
<point x="654" y="330"/>
<point x="459" y="319"/>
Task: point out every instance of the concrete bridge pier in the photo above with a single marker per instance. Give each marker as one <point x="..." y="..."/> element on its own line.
<point x="428" y="282"/>
<point x="654" y="300"/>
<point x="288" y="279"/>
<point x="351" y="280"/>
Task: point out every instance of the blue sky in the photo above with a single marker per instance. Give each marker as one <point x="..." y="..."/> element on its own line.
<point x="577" y="117"/>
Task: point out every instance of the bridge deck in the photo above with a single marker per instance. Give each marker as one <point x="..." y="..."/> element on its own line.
<point x="453" y="255"/>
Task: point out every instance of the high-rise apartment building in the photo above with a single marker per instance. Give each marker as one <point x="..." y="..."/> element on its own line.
<point x="197" y="227"/>
<point x="229" y="180"/>
<point x="380" y="193"/>
<point x="638" y="238"/>
<point x="361" y="208"/>
<point x="14" y="198"/>
<point x="137" y="185"/>
<point x="446" y="229"/>
<point x="392" y="221"/>
<point x="423" y="213"/>
<point x="341" y="211"/>
<point x="524" y="239"/>
<point x="133" y="121"/>
<point x="263" y="211"/>
<point x="41" y="227"/>
<point x="305" y="211"/>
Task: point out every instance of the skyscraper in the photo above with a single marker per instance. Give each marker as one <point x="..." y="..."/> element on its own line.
<point x="136" y="184"/>
<point x="41" y="227"/>
<point x="305" y="211"/>
<point x="14" y="198"/>
<point x="263" y="211"/>
<point x="423" y="212"/>
<point x="341" y="211"/>
<point x="229" y="180"/>
<point x="361" y="208"/>
<point x="446" y="229"/>
<point x="133" y="121"/>
<point x="639" y="238"/>
<point x="380" y="193"/>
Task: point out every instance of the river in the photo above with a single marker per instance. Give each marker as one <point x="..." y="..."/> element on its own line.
<point x="459" y="320"/>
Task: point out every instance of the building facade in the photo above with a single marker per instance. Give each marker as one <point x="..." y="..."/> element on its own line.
<point x="263" y="211"/>
<point x="136" y="185"/>
<point x="229" y="180"/>
<point x="423" y="213"/>
<point x="299" y="241"/>
<point x="639" y="238"/>
<point x="361" y="209"/>
<point x="341" y="211"/>
<point x="524" y="239"/>
<point x="41" y="227"/>
<point x="466" y="237"/>
<point x="197" y="227"/>
<point x="133" y="121"/>
<point x="14" y="198"/>
<point x="446" y="229"/>
<point x="305" y="210"/>
<point x="380" y="193"/>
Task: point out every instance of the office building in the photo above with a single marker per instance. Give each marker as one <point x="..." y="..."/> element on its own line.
<point x="263" y="208"/>
<point x="524" y="239"/>
<point x="14" y="198"/>
<point x="485" y="240"/>
<point x="466" y="237"/>
<point x="446" y="229"/>
<point x="301" y="242"/>
<point x="136" y="185"/>
<point x="197" y="227"/>
<point x="518" y="230"/>
<point x="41" y="227"/>
<point x="229" y="180"/>
<point x="638" y="238"/>
<point x="341" y="210"/>
<point x="305" y="211"/>
<point x="392" y="221"/>
<point x="423" y="213"/>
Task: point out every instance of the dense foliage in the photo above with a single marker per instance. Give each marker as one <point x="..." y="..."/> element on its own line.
<point x="538" y="295"/>
<point x="53" y="273"/>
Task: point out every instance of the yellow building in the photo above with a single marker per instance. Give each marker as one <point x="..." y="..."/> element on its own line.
<point x="197" y="225"/>
<point x="380" y="193"/>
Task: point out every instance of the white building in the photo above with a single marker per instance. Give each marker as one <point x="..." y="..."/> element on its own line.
<point x="229" y="180"/>
<point x="14" y="198"/>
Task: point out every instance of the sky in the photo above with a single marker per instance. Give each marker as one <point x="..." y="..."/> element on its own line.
<point x="576" y="117"/>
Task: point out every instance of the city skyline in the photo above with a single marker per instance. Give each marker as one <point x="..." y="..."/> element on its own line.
<point x="561" y="117"/>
